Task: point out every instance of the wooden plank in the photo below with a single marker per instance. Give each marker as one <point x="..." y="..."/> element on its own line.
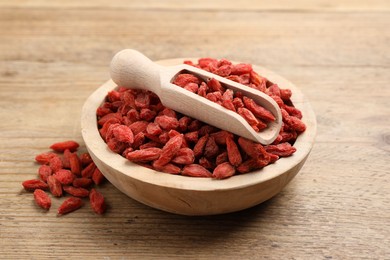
<point x="268" y="39"/>
<point x="219" y="5"/>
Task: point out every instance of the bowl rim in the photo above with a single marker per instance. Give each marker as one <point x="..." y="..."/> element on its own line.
<point x="99" y="150"/>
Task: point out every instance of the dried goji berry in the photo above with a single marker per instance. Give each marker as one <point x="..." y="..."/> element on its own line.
<point x="98" y="177"/>
<point x="257" y="81"/>
<point x="97" y="201"/>
<point x="139" y="126"/>
<point x="85" y="159"/>
<point x="251" y="148"/>
<point x="65" y="177"/>
<point x="167" y="122"/>
<point x="168" y="168"/>
<point x="69" y="205"/>
<point x="147" y="114"/>
<point x="54" y="186"/>
<point x="292" y="111"/>
<point x="233" y="152"/>
<point x="249" y="117"/>
<point x="282" y="150"/>
<point x="215" y="85"/>
<point x="247" y="166"/>
<point x="220" y="136"/>
<point x="200" y="145"/>
<point x="257" y="110"/>
<point x="150" y="144"/>
<point x="184" y="123"/>
<point x="42" y="199"/>
<point x="227" y="100"/>
<point x="44" y="158"/>
<point x="211" y="148"/>
<point x="196" y="170"/>
<point x="191" y="136"/>
<point x="144" y="155"/>
<point x="62" y="146"/>
<point x="192" y="87"/>
<point x="75" y="164"/>
<point x="77" y="192"/>
<point x="184" y="156"/>
<point x="241" y="68"/>
<point x="65" y="159"/>
<point x="55" y="163"/>
<point x="184" y="78"/>
<point x="206" y="163"/>
<point x="285" y="94"/>
<point x="142" y="99"/>
<point x="88" y="171"/>
<point x="221" y="158"/>
<point x="82" y="182"/>
<point x="223" y="170"/>
<point x="32" y="185"/>
<point x="169" y="150"/>
<point x="153" y="129"/>
<point x="44" y="171"/>
<point x="202" y="90"/>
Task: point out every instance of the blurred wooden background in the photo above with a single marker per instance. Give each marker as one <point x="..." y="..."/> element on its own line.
<point x="53" y="54"/>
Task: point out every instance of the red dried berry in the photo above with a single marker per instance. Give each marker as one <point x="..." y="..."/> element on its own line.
<point x="257" y="110"/>
<point x="223" y="171"/>
<point x="144" y="155"/>
<point x="65" y="177"/>
<point x="167" y="168"/>
<point x="62" y="146"/>
<point x="167" y="122"/>
<point x="184" y="156"/>
<point x="42" y="199"/>
<point x="65" y="159"/>
<point x="44" y="171"/>
<point x="169" y="150"/>
<point x="44" y="158"/>
<point x="76" y="192"/>
<point x="282" y="150"/>
<point x="221" y="158"/>
<point x="75" y="164"/>
<point x="215" y="85"/>
<point x="69" y="205"/>
<point x="54" y="186"/>
<point x="98" y="177"/>
<point x="196" y="170"/>
<point x="85" y="159"/>
<point x="97" y="201"/>
<point x="82" y="182"/>
<point x="200" y="145"/>
<point x="211" y="148"/>
<point x="233" y="152"/>
<point x="31" y="185"/>
<point x="55" y="163"/>
<point x="184" y="79"/>
<point x="88" y="171"/>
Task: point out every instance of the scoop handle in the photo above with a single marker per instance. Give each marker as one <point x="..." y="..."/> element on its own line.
<point x="131" y="69"/>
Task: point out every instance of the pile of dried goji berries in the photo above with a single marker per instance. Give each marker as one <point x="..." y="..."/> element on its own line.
<point x="63" y="171"/>
<point x="257" y="116"/>
<point x="135" y="124"/>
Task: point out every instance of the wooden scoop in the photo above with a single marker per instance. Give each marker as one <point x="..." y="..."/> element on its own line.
<point x="131" y="69"/>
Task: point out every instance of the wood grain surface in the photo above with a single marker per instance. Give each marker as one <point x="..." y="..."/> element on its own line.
<point x="54" y="54"/>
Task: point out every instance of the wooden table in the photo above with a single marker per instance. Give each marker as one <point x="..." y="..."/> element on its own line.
<point x="53" y="54"/>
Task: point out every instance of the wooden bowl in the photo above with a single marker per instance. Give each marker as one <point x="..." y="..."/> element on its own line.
<point x="190" y="195"/>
